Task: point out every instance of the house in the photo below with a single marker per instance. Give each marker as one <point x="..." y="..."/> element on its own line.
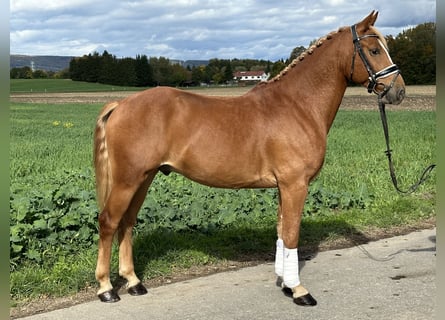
<point x="250" y="76"/>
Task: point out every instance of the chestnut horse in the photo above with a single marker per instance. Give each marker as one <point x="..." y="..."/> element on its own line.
<point x="273" y="136"/>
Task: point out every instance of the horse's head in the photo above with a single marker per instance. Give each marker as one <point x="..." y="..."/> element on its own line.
<point x="371" y="63"/>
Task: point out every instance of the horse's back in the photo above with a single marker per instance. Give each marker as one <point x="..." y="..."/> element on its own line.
<point x="185" y="112"/>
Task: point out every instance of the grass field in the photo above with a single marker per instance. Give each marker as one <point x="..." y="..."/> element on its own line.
<point x="61" y="85"/>
<point x="182" y="224"/>
<point x="66" y="85"/>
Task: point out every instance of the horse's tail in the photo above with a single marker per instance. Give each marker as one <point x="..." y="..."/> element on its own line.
<point x="101" y="160"/>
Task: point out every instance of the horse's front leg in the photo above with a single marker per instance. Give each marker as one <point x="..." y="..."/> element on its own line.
<point x="292" y="198"/>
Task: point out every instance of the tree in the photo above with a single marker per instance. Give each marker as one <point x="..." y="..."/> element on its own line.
<point x="177" y="75"/>
<point x="228" y="72"/>
<point x="108" y="66"/>
<point x="144" y="72"/>
<point x="296" y="53"/>
<point x="86" y="68"/>
<point x="277" y="67"/>
<point x="414" y="52"/>
<point x="62" y="74"/>
<point x="127" y="72"/>
<point x="75" y="69"/>
<point x="39" y="74"/>
<point x="214" y="71"/>
<point x="21" y="73"/>
<point x="198" y="74"/>
<point x="160" y="68"/>
<point x="92" y="67"/>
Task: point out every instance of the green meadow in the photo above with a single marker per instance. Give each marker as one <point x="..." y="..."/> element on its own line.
<point x="61" y="85"/>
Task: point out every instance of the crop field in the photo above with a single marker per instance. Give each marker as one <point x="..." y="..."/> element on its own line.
<point x="184" y="226"/>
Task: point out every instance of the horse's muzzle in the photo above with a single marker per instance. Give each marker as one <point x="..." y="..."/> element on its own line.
<point x="394" y="96"/>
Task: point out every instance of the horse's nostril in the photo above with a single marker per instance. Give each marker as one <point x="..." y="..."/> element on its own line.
<point x="401" y="94"/>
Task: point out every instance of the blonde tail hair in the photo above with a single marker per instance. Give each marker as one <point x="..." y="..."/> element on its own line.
<point x="101" y="160"/>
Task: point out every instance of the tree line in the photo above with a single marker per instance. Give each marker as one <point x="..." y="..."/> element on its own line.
<point x="413" y="50"/>
<point x="27" y="73"/>
<point x="143" y="71"/>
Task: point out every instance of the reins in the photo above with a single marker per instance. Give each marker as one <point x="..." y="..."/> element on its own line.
<point x="373" y="82"/>
<point x="388" y="151"/>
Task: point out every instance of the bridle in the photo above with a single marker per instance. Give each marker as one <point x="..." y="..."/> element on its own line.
<point x="372" y="87"/>
<point x="373" y="76"/>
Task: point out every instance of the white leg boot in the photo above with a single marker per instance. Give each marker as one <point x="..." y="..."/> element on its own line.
<point x="279" y="258"/>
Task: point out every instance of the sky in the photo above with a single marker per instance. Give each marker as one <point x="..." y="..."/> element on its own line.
<point x="196" y="30"/>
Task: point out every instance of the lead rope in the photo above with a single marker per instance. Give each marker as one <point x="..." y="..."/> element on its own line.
<point x="388" y="151"/>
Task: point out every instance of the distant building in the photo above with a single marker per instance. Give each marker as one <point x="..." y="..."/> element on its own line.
<point x="250" y="76"/>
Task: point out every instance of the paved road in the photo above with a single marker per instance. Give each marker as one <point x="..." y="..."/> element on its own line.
<point x="387" y="279"/>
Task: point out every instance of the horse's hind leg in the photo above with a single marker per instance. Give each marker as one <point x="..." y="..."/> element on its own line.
<point x="125" y="230"/>
<point x="119" y="214"/>
<point x="109" y="220"/>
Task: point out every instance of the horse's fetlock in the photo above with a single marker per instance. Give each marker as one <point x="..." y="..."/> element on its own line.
<point x="299" y="291"/>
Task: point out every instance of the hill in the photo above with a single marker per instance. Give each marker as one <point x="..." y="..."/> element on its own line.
<point x="194" y="63"/>
<point x="47" y="63"/>
<point x="57" y="63"/>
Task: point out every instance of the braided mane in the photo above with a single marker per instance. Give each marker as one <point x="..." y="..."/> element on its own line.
<point x="303" y="55"/>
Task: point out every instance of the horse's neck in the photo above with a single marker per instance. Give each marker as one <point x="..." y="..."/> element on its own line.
<point x="315" y="85"/>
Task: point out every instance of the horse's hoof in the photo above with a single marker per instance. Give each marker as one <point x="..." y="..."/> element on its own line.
<point x="287" y="292"/>
<point x="137" y="290"/>
<point x="109" y="296"/>
<point x="306" y="300"/>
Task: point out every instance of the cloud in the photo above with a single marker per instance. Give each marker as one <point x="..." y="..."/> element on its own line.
<point x="191" y="29"/>
<point x="44" y="5"/>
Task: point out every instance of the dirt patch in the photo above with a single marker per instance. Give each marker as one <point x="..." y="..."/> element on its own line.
<point x="418" y="97"/>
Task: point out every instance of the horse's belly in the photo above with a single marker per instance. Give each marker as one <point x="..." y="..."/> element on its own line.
<point x="223" y="175"/>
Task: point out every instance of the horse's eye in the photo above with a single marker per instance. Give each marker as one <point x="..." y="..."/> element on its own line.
<point x="374" y="51"/>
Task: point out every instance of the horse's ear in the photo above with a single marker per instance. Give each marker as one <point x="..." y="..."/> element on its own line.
<point x="369" y="21"/>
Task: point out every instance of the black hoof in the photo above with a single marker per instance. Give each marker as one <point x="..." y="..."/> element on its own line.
<point x="137" y="290"/>
<point x="109" y="296"/>
<point x="287" y="292"/>
<point x="306" y="300"/>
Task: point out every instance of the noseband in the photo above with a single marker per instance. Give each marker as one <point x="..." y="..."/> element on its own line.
<point x="373" y="76"/>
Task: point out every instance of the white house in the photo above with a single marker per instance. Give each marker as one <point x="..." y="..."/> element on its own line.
<point x="255" y="76"/>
